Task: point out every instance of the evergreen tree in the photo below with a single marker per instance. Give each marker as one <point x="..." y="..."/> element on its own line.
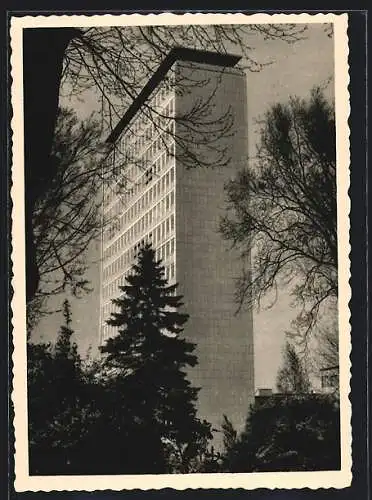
<point x="289" y="433"/>
<point x="149" y="357"/>
<point x="292" y="377"/>
<point x="58" y="403"/>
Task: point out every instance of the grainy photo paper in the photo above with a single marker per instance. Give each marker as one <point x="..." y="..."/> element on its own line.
<point x="180" y="249"/>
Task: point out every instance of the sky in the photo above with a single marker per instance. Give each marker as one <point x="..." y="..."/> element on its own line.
<point x="294" y="70"/>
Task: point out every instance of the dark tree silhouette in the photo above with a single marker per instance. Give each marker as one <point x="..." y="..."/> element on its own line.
<point x="289" y="433"/>
<point x="292" y="377"/>
<point x="58" y="411"/>
<point x="131" y="412"/>
<point x="149" y="355"/>
<point x="114" y="63"/>
<point x="283" y="209"/>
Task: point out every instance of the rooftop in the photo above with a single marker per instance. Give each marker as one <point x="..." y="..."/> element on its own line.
<point x="175" y="54"/>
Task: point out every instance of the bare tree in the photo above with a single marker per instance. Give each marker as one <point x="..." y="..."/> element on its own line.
<point x="327" y="352"/>
<point x="282" y="208"/>
<point x="67" y="218"/>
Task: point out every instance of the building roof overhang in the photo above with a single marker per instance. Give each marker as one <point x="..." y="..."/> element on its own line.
<point x="175" y="54"/>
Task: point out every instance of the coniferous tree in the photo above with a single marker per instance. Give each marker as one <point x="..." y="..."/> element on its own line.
<point x="289" y="433"/>
<point x="58" y="403"/>
<point x="292" y="377"/>
<point x="149" y="357"/>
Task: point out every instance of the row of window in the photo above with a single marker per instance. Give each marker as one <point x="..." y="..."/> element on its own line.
<point x="148" y="196"/>
<point x="142" y="225"/>
<point x="156" y="236"/>
<point x="147" y="199"/>
<point x="164" y="251"/>
<point x="135" y="174"/>
<point x="143" y="155"/>
<point x="143" y="177"/>
<point x="151" y="173"/>
<point x="153" y="128"/>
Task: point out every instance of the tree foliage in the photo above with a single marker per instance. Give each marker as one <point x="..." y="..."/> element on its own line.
<point x="282" y="208"/>
<point x="66" y="219"/>
<point x="150" y="356"/>
<point x="134" y="413"/>
<point x="292" y="377"/>
<point x="289" y="433"/>
<point x="59" y="402"/>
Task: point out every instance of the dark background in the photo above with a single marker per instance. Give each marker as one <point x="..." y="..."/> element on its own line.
<point x="361" y="351"/>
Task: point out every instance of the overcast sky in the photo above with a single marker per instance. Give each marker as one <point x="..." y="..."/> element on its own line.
<point x="295" y="69"/>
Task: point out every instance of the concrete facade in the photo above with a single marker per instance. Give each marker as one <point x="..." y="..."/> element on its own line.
<point x="184" y="163"/>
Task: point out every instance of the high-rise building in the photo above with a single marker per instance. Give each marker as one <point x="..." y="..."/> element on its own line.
<point x="179" y="142"/>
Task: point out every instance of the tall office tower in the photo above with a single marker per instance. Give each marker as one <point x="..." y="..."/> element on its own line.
<point x="179" y="142"/>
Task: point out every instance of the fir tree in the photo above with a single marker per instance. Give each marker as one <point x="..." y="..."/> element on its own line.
<point x="149" y="358"/>
<point x="292" y="377"/>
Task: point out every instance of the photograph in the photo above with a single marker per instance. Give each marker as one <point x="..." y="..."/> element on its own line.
<point x="180" y="251"/>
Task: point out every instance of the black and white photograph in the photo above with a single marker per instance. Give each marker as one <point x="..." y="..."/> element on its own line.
<point x="180" y="251"/>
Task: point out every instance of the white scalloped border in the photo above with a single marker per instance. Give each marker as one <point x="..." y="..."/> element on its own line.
<point x="285" y="480"/>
